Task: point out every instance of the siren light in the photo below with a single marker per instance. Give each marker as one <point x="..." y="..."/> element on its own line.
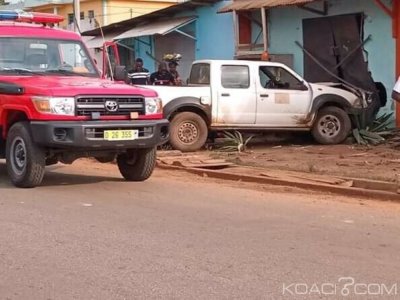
<point x="30" y="17"/>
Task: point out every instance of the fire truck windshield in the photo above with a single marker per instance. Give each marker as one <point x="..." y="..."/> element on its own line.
<point x="45" y="57"/>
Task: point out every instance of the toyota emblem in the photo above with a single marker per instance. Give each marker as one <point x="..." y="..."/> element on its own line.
<point x="111" y="106"/>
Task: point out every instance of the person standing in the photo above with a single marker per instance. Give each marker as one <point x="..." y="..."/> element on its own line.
<point x="162" y="76"/>
<point x="138" y="75"/>
<point x="173" y="70"/>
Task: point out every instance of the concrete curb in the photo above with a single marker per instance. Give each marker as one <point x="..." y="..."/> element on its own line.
<point x="341" y="190"/>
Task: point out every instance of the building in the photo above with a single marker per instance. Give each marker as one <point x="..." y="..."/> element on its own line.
<point x="358" y="40"/>
<point x="355" y="39"/>
<point x="98" y="12"/>
<point x="192" y="28"/>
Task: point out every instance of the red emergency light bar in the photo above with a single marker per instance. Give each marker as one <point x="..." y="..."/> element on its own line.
<point x="29" y="17"/>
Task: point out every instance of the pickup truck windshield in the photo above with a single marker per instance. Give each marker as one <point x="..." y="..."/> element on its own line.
<point x="47" y="57"/>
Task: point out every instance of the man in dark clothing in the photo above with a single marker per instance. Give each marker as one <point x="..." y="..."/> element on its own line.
<point x="162" y="76"/>
<point x="172" y="69"/>
<point x="138" y="75"/>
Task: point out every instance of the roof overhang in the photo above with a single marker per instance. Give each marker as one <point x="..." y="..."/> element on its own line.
<point x="169" y="12"/>
<point x="238" y="5"/>
<point x="160" y="27"/>
<point x="98" y="41"/>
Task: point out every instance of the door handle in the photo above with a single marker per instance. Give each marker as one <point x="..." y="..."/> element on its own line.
<point x="225" y="95"/>
<point x="264" y="95"/>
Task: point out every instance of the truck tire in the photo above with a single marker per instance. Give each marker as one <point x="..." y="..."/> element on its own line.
<point x="25" y="160"/>
<point x="137" y="165"/>
<point x="188" y="132"/>
<point x="332" y="126"/>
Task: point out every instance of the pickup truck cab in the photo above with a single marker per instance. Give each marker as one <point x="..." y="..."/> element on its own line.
<point x="55" y="107"/>
<point x="257" y="96"/>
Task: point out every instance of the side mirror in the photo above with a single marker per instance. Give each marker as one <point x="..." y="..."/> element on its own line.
<point x="302" y="86"/>
<point x="120" y="73"/>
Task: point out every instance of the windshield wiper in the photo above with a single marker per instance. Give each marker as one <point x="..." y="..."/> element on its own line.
<point x="68" y="72"/>
<point x="61" y="71"/>
<point x="20" y="71"/>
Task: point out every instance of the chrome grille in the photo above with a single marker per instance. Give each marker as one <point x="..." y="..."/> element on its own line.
<point x="87" y="105"/>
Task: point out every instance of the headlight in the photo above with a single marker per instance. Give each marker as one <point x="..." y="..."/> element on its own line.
<point x="55" y="105"/>
<point x="153" y="106"/>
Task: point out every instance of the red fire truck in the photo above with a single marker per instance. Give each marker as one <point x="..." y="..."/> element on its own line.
<point x="55" y="106"/>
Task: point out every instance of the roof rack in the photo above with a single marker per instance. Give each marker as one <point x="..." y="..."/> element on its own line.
<point x="29" y="17"/>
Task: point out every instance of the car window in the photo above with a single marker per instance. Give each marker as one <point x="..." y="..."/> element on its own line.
<point x="278" y="78"/>
<point x="235" y="77"/>
<point x="200" y="74"/>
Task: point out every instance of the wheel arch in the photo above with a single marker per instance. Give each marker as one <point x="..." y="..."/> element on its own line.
<point x="10" y="117"/>
<point x="327" y="100"/>
<point x="187" y="104"/>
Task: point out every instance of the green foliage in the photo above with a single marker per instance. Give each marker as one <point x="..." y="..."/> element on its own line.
<point x="376" y="132"/>
<point x="235" y="142"/>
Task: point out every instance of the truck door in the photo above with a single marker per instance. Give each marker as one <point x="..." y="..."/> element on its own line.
<point x="236" y="96"/>
<point x="283" y="100"/>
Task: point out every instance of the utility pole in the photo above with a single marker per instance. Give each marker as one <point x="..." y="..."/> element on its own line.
<point x="77" y="15"/>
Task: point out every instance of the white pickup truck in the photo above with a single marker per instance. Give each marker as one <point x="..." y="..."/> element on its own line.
<point x="256" y="96"/>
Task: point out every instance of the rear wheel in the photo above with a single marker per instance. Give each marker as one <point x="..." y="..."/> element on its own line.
<point x="188" y="132"/>
<point x="332" y="126"/>
<point x="137" y="165"/>
<point x="25" y="160"/>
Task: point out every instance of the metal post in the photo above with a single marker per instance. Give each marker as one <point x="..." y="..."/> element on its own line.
<point x="236" y="31"/>
<point x="264" y="28"/>
<point x="77" y="15"/>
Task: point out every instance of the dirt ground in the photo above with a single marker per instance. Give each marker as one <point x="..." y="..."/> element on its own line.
<point x="373" y="162"/>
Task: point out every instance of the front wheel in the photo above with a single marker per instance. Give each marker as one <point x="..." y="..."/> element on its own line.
<point x="188" y="132"/>
<point x="25" y="160"/>
<point x="137" y="165"/>
<point x="332" y="126"/>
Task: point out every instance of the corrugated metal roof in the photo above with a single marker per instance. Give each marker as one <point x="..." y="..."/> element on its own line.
<point x="164" y="13"/>
<point x="255" y="4"/>
<point x="160" y="27"/>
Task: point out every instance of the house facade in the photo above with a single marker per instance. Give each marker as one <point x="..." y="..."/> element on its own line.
<point x="355" y="39"/>
<point x="98" y="12"/>
<point x="192" y="28"/>
<point x="307" y="29"/>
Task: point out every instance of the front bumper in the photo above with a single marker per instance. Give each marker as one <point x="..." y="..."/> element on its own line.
<point x="88" y="135"/>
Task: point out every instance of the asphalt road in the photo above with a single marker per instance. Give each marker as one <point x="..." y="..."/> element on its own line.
<point x="86" y="234"/>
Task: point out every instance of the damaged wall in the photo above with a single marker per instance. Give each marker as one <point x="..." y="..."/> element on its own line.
<point x="285" y="27"/>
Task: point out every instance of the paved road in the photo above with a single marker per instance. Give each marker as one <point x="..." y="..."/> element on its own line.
<point x="88" y="235"/>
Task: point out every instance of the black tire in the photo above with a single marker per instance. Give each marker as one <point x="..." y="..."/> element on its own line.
<point x="137" y="165"/>
<point x="188" y="132"/>
<point x="26" y="161"/>
<point x="332" y="126"/>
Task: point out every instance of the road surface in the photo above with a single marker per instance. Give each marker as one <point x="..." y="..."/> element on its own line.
<point x="86" y="234"/>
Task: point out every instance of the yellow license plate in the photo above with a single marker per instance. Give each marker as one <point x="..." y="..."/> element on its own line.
<point x="121" y="135"/>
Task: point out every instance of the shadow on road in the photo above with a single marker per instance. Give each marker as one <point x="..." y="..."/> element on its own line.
<point x="52" y="178"/>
